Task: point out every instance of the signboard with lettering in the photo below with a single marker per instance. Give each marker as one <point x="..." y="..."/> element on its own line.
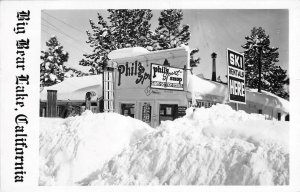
<point x="205" y="103"/>
<point x="93" y="93"/>
<point x="146" y="113"/>
<point x="181" y="111"/>
<point x="133" y="74"/>
<point x="236" y="77"/>
<point x="165" y="77"/>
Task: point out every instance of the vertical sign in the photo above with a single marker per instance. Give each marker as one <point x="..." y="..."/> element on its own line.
<point x="236" y="77"/>
<point x="146" y="113"/>
<point x="181" y="111"/>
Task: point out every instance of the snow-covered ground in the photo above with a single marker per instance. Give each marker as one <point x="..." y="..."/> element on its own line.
<point x="73" y="148"/>
<point x="214" y="146"/>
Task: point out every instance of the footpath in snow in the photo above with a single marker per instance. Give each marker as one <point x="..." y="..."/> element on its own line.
<point x="214" y="146"/>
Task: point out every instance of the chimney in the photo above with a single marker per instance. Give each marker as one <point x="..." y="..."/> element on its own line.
<point x="213" y="56"/>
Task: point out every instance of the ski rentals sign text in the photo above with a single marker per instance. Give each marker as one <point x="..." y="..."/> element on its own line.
<point x="236" y="77"/>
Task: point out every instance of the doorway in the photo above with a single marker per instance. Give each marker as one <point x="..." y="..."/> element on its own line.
<point x="167" y="112"/>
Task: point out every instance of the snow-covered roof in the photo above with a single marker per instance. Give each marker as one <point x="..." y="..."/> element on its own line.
<point x="267" y="98"/>
<point x="127" y="52"/>
<point x="134" y="53"/>
<point x="75" y="88"/>
<point x="201" y="88"/>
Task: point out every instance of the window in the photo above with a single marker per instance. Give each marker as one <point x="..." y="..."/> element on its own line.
<point x="260" y="111"/>
<point x="279" y="116"/>
<point x="59" y="110"/>
<point x="287" y="117"/>
<point x="167" y="112"/>
<point x="43" y="112"/>
<point x="127" y="109"/>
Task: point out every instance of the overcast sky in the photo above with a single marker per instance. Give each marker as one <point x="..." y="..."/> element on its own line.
<point x="211" y="31"/>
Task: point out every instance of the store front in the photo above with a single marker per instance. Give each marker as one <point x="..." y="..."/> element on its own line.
<point x="152" y="87"/>
<point x="71" y="96"/>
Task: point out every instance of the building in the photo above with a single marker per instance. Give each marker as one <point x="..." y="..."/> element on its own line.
<point x="154" y="87"/>
<point x="72" y="91"/>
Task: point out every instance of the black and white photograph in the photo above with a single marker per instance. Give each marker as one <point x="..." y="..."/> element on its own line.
<point x="164" y="97"/>
<point x="149" y="96"/>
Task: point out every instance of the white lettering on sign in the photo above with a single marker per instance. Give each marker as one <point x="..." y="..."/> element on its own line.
<point x="231" y="56"/>
<point x="236" y="73"/>
<point x="236" y="77"/>
<point x="236" y="60"/>
<point x="237" y="88"/>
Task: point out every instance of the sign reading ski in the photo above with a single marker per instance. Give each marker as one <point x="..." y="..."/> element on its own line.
<point x="236" y="77"/>
<point x="164" y="77"/>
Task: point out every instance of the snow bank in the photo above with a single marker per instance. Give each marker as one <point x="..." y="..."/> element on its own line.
<point x="214" y="146"/>
<point x="72" y="149"/>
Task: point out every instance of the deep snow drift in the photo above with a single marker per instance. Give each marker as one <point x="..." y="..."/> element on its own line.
<point x="72" y="148"/>
<point x="214" y="146"/>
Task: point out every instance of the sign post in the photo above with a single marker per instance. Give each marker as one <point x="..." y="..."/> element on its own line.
<point x="236" y="77"/>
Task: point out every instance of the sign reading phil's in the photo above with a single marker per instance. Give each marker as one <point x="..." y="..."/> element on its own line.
<point x="136" y="70"/>
<point x="236" y="77"/>
<point x="164" y="77"/>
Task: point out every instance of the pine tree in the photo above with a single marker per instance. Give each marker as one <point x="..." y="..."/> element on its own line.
<point x="52" y="60"/>
<point x="100" y="41"/>
<point x="273" y="77"/>
<point x="131" y="28"/>
<point x="169" y="33"/>
<point x="127" y="28"/>
<point x="72" y="72"/>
